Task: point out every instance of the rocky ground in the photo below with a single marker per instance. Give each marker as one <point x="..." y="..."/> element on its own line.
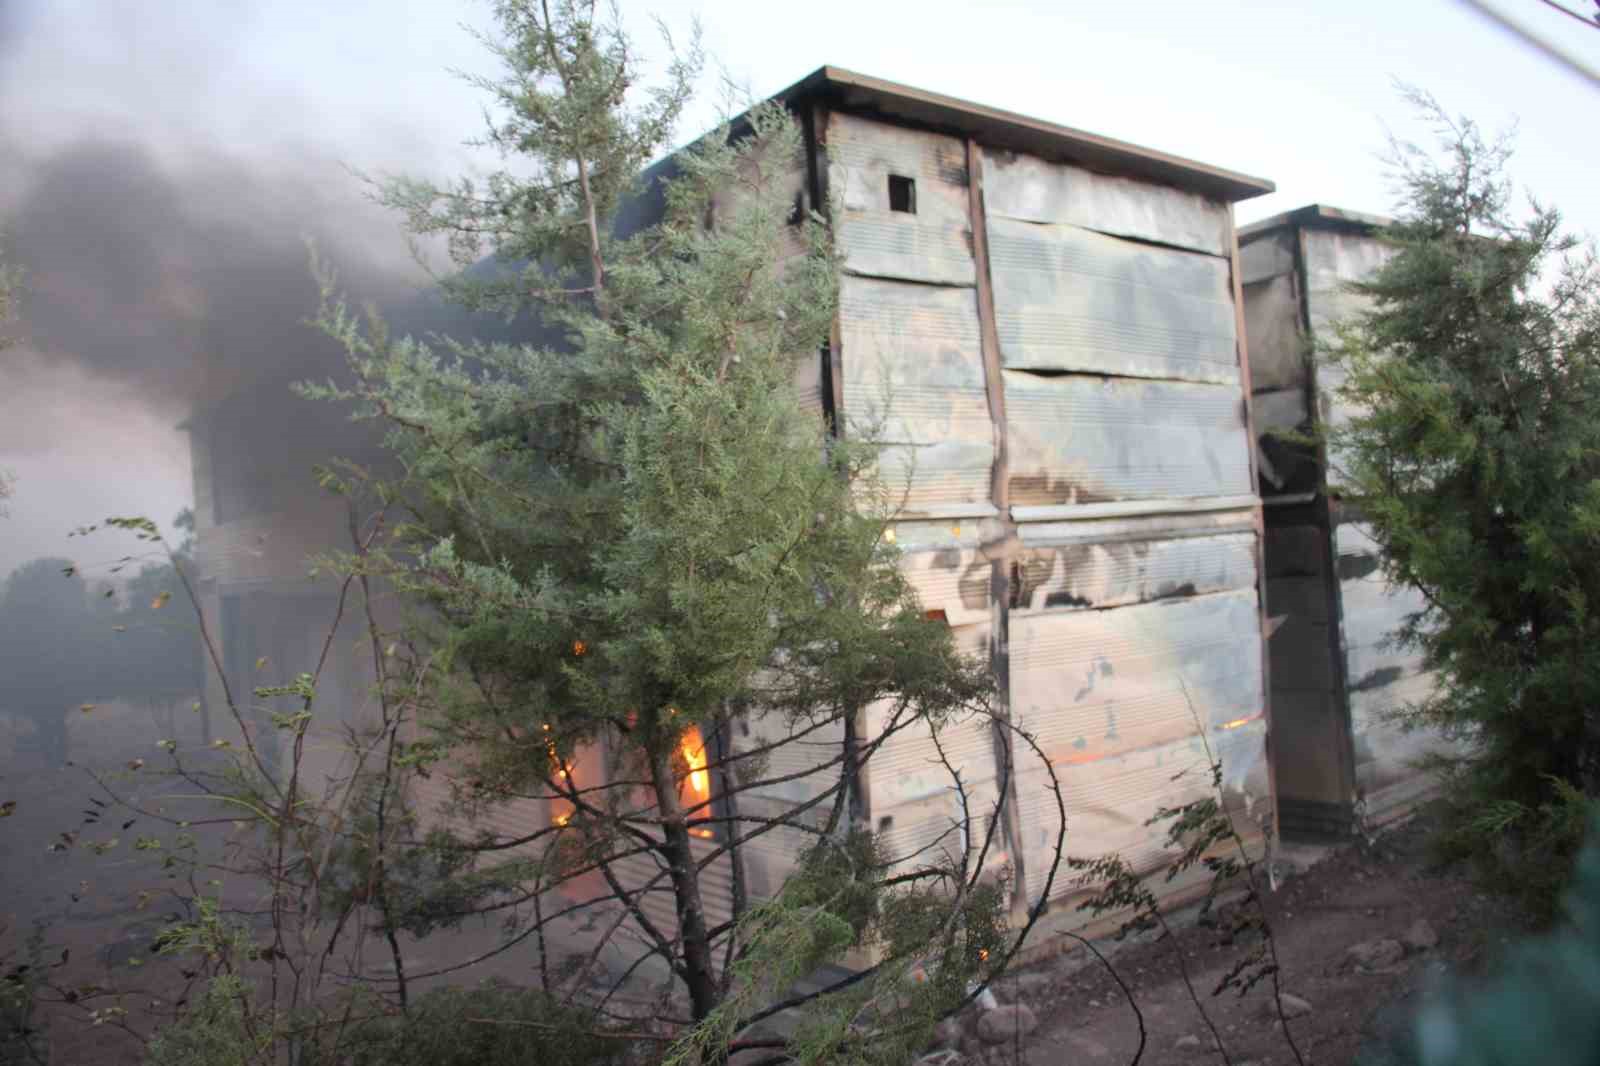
<point x="1361" y="936"/>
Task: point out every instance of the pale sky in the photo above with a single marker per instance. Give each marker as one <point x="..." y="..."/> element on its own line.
<point x="279" y="95"/>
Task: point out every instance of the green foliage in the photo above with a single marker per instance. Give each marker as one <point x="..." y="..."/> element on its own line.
<point x="214" y="1031"/>
<point x="1474" y="453"/>
<point x="492" y="1024"/>
<point x="635" y="535"/>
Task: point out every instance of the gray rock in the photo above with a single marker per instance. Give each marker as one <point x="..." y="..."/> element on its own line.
<point x="1420" y="936"/>
<point x="1293" y="1006"/>
<point x="1004" y="1023"/>
<point x="1187" y="1043"/>
<point x="1375" y="955"/>
<point x="947" y="1034"/>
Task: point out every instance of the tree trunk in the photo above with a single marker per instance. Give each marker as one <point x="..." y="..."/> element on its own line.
<point x="696" y="968"/>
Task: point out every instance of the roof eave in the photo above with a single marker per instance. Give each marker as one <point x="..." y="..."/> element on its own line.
<point x="1318" y="216"/>
<point x="1007" y="130"/>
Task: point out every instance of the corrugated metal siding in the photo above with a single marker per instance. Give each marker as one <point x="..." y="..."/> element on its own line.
<point x="915" y="804"/>
<point x="1118" y="337"/>
<point x="1115" y="698"/>
<point x="1382" y="677"/>
<point x="913" y="364"/>
<point x="1031" y="190"/>
<point x="271" y="547"/>
<point x="954" y="580"/>
<point x="1266" y="255"/>
<point x="1082" y="440"/>
<point x="1332" y="260"/>
<point x="1078" y="575"/>
<point x="1067" y="298"/>
<point x="1280" y="357"/>
<point x="1109" y="800"/>
<point x="1309" y="726"/>
<point x="933" y="244"/>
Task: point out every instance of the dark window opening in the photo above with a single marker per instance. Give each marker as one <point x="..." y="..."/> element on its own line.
<point x="902" y="194"/>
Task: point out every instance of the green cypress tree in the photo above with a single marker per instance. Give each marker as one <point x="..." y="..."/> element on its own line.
<point x="1473" y="450"/>
<point x="638" y="536"/>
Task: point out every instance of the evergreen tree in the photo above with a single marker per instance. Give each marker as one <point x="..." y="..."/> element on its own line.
<point x="1474" y="452"/>
<point x="52" y="646"/>
<point x="637" y="541"/>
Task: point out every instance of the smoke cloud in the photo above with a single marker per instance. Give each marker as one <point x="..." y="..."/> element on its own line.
<point x="163" y="166"/>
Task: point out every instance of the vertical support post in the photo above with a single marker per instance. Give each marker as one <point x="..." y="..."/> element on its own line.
<point x="1327" y="515"/>
<point x="814" y="124"/>
<point x="1258" y="513"/>
<point x="1002" y="550"/>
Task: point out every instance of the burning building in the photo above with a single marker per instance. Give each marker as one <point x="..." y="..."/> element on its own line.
<point x="1048" y="324"/>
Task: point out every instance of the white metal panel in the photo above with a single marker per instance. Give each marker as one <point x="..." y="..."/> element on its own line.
<point x="913" y="370"/>
<point x="1267" y="256"/>
<point x="1093" y="683"/>
<point x="1031" y="190"/>
<point x="1382" y="678"/>
<point x="916" y="806"/>
<point x="1083" y="576"/>
<point x="1070" y="299"/>
<point x="1109" y="800"/>
<point x="953" y="580"/>
<point x="1333" y="260"/>
<point x="933" y="244"/>
<point x="1075" y="439"/>
<point x="1280" y="353"/>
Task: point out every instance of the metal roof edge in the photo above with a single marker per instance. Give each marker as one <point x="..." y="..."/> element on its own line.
<point x="1321" y="216"/>
<point x="1008" y="130"/>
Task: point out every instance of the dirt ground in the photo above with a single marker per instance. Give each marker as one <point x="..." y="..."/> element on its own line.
<point x="1353" y="894"/>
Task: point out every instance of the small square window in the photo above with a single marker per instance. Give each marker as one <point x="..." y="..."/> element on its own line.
<point x="902" y="194"/>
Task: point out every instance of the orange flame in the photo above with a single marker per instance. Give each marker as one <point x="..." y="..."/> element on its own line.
<point x="694" y="753"/>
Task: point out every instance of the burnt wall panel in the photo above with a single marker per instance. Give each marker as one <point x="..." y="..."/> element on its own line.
<point x="913" y="371"/>
<point x="1109" y="800"/>
<point x="1266" y="255"/>
<point x="1279" y="354"/>
<point x="1027" y="189"/>
<point x="1118" y="699"/>
<point x="1075" y="439"/>
<point x="1087" y="575"/>
<point x="1067" y="298"/>
<point x="916" y="807"/>
<point x="1095" y="683"/>
<point x="1382" y="677"/>
<point x="1332" y="261"/>
<point x="930" y="242"/>
<point x="1309" y="728"/>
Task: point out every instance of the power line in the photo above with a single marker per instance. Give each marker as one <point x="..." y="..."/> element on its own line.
<point x="1560" y="55"/>
<point x="1593" y="24"/>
